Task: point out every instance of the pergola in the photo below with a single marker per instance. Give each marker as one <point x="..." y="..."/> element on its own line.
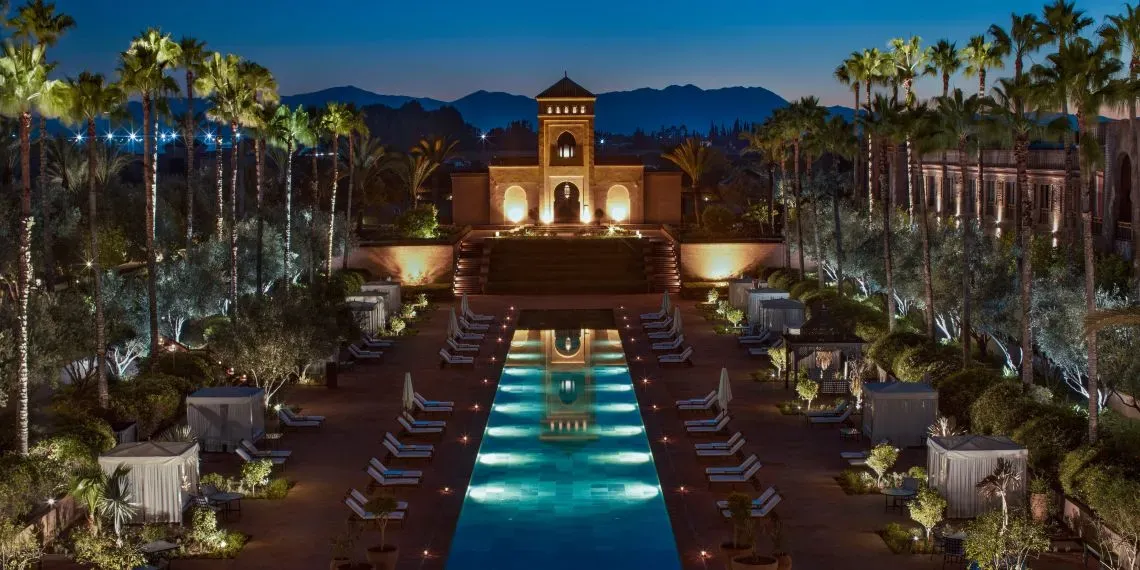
<point x="826" y="346"/>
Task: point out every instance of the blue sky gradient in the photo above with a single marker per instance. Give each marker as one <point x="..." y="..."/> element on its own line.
<point x="446" y="49"/>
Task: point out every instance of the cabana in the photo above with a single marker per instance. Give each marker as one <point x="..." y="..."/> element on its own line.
<point x="221" y="417"/>
<point x="370" y="310"/>
<point x="957" y="463"/>
<point x="778" y="315"/>
<point x="757" y="296"/>
<point x="899" y="412"/>
<point x="738" y="292"/>
<point x="389" y="289"/>
<point x="163" y="475"/>
<point x="824" y="347"/>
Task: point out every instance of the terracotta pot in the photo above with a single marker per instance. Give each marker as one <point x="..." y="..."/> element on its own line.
<point x="729" y="550"/>
<point x="339" y="563"/>
<point x="1039" y="506"/>
<point x="784" y="561"/>
<point x="383" y="556"/>
<point x="747" y="562"/>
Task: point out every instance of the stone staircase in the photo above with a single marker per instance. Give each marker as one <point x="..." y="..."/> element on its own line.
<point x="662" y="266"/>
<point x="469" y="276"/>
<point x="567" y="265"/>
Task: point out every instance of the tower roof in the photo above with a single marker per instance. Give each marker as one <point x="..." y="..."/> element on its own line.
<point x="565" y="89"/>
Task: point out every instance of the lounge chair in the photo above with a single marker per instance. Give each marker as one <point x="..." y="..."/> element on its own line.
<point x="683" y="357"/>
<point x="757" y="502"/>
<point x="408" y="446"/>
<point x="748" y="476"/>
<point x="706" y="421"/>
<point x="655" y="316"/>
<point x="397" y="453"/>
<point x="246" y="457"/>
<point x="830" y="419"/>
<point x="414" y="430"/>
<point x="303" y="417"/>
<point x="448" y="359"/>
<point x="722" y="451"/>
<point x="457" y="348"/>
<point x="288" y="420"/>
<point x="761" y="511"/>
<point x="379" y="479"/>
<point x="751" y="339"/>
<point x="732" y="469"/>
<point x="368" y="338"/>
<point x="665" y="335"/>
<point x="431" y="409"/>
<point x="432" y="403"/>
<point x="359" y="354"/>
<point x="369" y="343"/>
<point x="711" y="396"/>
<point x="363" y="500"/>
<point x="423" y="423"/>
<point x="669" y="345"/>
<point x="365" y="516"/>
<point x="696" y="406"/>
<point x="853" y="454"/>
<point x="460" y="335"/>
<point x="254" y="451"/>
<point x="837" y="410"/>
<point x="465" y="311"/>
<point x="471" y="326"/>
<point x="720" y="444"/>
<point x="708" y="430"/>
<point x="659" y="325"/>
<point x="384" y="470"/>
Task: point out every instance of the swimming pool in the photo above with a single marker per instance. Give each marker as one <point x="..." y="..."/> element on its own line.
<point x="564" y="478"/>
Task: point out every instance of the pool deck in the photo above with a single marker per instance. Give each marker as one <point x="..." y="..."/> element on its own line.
<point x="824" y="528"/>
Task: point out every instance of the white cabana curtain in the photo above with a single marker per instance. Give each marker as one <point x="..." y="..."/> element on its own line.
<point x="163" y="476"/>
<point x="389" y="289"/>
<point x="371" y="308"/>
<point x="901" y="417"/>
<point x="956" y="464"/>
<point x="221" y="418"/>
<point x="738" y="292"/>
<point x="757" y="296"/>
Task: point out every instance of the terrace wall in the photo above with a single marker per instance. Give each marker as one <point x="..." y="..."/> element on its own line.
<point x="409" y="263"/>
<point x="725" y="260"/>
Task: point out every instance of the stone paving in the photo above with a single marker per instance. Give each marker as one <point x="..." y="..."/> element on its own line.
<point x="824" y="528"/>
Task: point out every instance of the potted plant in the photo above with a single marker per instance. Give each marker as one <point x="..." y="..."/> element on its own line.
<point x="382" y="556"/>
<point x="342" y="549"/>
<point x="753" y="560"/>
<point x="776" y="529"/>
<point x="1039" y="499"/>
<point x="740" y="514"/>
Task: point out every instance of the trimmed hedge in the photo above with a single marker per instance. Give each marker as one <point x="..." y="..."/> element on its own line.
<point x="957" y="391"/>
<point x="1050" y="434"/>
<point x="1001" y="409"/>
<point x="802" y="288"/>
<point x="886" y="349"/>
<point x="189" y="366"/>
<point x="152" y="400"/>
<point x="915" y="362"/>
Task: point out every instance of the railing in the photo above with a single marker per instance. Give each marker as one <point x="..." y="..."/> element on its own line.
<point x="1053" y="159"/>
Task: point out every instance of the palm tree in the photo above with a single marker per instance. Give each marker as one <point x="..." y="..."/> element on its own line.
<point x="922" y="133"/>
<point x="911" y="61"/>
<point x="770" y="147"/>
<point x="957" y="121"/>
<point x="803" y="118"/>
<point x="849" y="74"/>
<point x="439" y="150"/>
<point x="356" y="126"/>
<point x="417" y="171"/>
<point x="216" y="73"/>
<point x="835" y="137"/>
<point x="337" y="122"/>
<point x="946" y="61"/>
<point x="88" y="98"/>
<point x="999" y="484"/>
<point x="1117" y="32"/>
<point x="232" y="101"/>
<point x="1022" y="39"/>
<point x="371" y="158"/>
<point x="263" y="87"/>
<point x="287" y="129"/>
<point x="38" y="22"/>
<point x="24" y="89"/>
<point x="191" y="58"/>
<point x="877" y="66"/>
<point x="883" y="122"/>
<point x="980" y="56"/>
<point x="692" y="158"/>
<point x="142" y="70"/>
<point x="118" y="502"/>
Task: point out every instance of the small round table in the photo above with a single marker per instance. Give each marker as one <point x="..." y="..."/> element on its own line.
<point x="895" y="497"/>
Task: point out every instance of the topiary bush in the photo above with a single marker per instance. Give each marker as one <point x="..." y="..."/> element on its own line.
<point x="1050" y="434"/>
<point x="889" y="347"/>
<point x="152" y="400"/>
<point x="191" y="367"/>
<point x="1001" y="409"/>
<point x="957" y="391"/>
<point x="815" y="296"/>
<point x="803" y="287"/>
<point x="915" y="362"/>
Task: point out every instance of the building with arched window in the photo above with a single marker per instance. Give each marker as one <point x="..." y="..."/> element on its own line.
<point x="566" y="181"/>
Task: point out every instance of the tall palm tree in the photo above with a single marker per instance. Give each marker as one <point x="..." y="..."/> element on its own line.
<point x="921" y="130"/>
<point x="1118" y="32"/>
<point x="356" y="126"/>
<point x="337" y="122"/>
<point x="259" y="82"/>
<point x="849" y="74"/>
<point x="190" y="59"/>
<point x="1060" y="22"/>
<point x="88" y="98"/>
<point x="416" y="172"/>
<point x="980" y="56"/>
<point x="288" y="129"/>
<point x="439" y="150"/>
<point x="37" y="21"/>
<point x="957" y="121"/>
<point x="232" y="102"/>
<point x="370" y="160"/>
<point x="1021" y="39"/>
<point x="142" y="71"/>
<point x="217" y="71"/>
<point x="946" y="61"/>
<point x="836" y="138"/>
<point x="911" y="61"/>
<point x="765" y="142"/>
<point x="692" y="158"/>
<point x="804" y="117"/>
<point x="25" y="89"/>
<point x="883" y="122"/>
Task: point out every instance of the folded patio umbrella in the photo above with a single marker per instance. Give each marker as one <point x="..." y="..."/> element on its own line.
<point x="409" y="393"/>
<point x="724" y="390"/>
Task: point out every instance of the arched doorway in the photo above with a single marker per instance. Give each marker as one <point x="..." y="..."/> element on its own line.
<point x="1124" y="191"/>
<point x="567" y="204"/>
<point x="514" y="204"/>
<point x="617" y="203"/>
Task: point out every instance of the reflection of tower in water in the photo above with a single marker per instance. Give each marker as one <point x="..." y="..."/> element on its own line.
<point x="567" y="381"/>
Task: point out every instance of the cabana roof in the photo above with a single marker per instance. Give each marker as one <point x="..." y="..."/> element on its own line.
<point x="822" y="329"/>
<point x="150" y="450"/>
<point x="900" y="390"/>
<point x="965" y="443"/>
<point x="227" y="392"/>
<point x="781" y="304"/>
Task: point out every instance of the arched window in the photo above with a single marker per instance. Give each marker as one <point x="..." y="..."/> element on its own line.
<point x="515" y="204"/>
<point x="566" y="145"/>
<point x="617" y="203"/>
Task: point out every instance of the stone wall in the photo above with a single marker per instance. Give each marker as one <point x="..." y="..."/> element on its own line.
<point x="662" y="195"/>
<point x="469" y="205"/>
<point x="528" y="178"/>
<point x="411" y="264"/>
<point x="606" y="177"/>
<point x="721" y="261"/>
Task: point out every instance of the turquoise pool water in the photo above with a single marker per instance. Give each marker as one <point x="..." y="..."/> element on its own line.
<point x="564" y="478"/>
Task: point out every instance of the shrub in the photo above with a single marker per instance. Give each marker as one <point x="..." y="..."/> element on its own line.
<point x="204" y="535"/>
<point x="397" y="326"/>
<point x="712" y="295"/>
<point x="917" y="473"/>
<point x="1051" y="433"/>
<point x="255" y="473"/>
<point x="105" y="552"/>
<point x="993" y="549"/>
<point x="1073" y="467"/>
<point x="18" y="550"/>
<point x="407" y="311"/>
<point x="278" y="488"/>
<point x="93" y="432"/>
<point x="781" y="279"/>
<point x="802" y="288"/>
<point x="815" y="296"/>
<point x="899" y="538"/>
<point x="915" y="362"/>
<point x="881" y="459"/>
<point x="717" y="219"/>
<point x="191" y="367"/>
<point x="1000" y="409"/>
<point x="887" y="348"/>
<point x="152" y="400"/>
<point x="927" y="509"/>
<point x="734" y="315"/>
<point x="959" y="390"/>
<point x="856" y="482"/>
<point x="421" y="222"/>
<point x="807" y="389"/>
<point x="216" y="480"/>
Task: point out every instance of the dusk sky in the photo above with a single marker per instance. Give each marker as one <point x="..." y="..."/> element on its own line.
<point x="446" y="49"/>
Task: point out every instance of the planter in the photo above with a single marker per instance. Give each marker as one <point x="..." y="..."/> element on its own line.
<point x="382" y="557"/>
<point x="748" y="562"/>
<point x="1039" y="506"/>
<point x="784" y="561"/>
<point x="339" y="564"/>
<point x="729" y="550"/>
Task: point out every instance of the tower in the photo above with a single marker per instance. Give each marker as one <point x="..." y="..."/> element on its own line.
<point x="566" y="152"/>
